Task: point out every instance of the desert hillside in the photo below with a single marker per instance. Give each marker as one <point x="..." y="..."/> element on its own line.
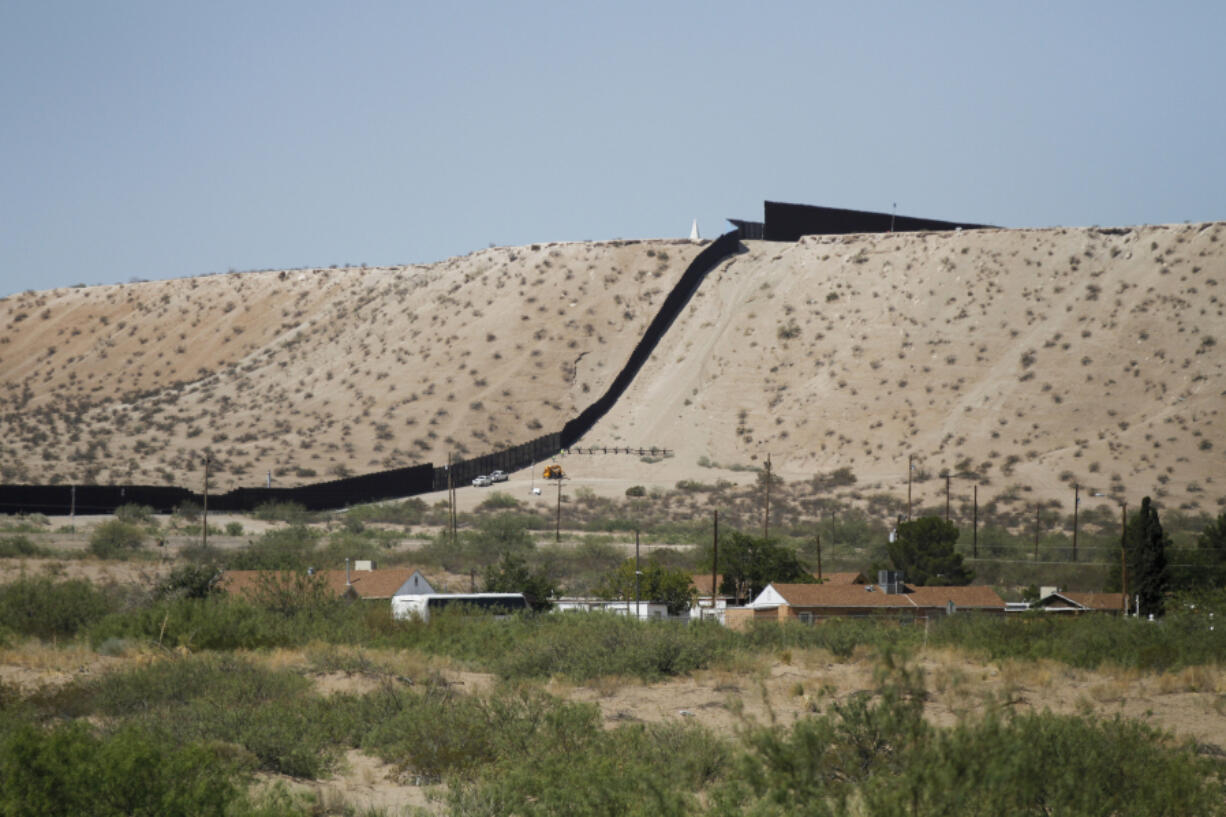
<point x="1021" y="360"/>
<point x="318" y="373"/>
<point x="1024" y="360"/>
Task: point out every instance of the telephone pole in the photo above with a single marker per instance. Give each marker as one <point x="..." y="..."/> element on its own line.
<point x="766" y="515"/>
<point x="204" y="528"/>
<point x="910" y="468"/>
<point x="557" y="530"/>
<point x="1076" y="503"/>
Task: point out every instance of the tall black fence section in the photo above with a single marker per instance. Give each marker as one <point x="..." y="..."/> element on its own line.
<point x="61" y="500"/>
<point x="719" y="249"/>
<point x="509" y="459"/>
<point x="790" y="222"/>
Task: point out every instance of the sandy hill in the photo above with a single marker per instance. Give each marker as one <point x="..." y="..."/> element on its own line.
<point x="317" y="373"/>
<point x="1030" y="358"/>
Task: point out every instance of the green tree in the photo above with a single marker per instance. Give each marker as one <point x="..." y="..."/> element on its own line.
<point x="750" y="563"/>
<point x="923" y="550"/>
<point x="511" y="574"/>
<point x="658" y="583"/>
<point x="1145" y="545"/>
<point x="495" y="537"/>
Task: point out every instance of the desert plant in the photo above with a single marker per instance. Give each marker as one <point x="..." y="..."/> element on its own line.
<point x="115" y="539"/>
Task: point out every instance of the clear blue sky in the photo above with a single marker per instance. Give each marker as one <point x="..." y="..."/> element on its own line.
<point x="162" y="139"/>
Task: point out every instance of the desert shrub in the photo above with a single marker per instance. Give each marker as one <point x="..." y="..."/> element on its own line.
<point x="1179" y="640"/>
<point x="69" y="770"/>
<point x="15" y="546"/>
<point x="234" y="529"/>
<point x="839" y="636"/>
<point x="270" y="713"/>
<point x="498" y="501"/>
<point x="190" y="581"/>
<point x="876" y="755"/>
<point x="289" y="512"/>
<point x="409" y="512"/>
<point x="115" y="539"/>
<point x="134" y="514"/>
<point x="291" y="548"/>
<point x="47" y="609"/>
<point x="187" y="511"/>
<point x="582" y="646"/>
<point x="636" y="490"/>
<point x="344" y="545"/>
<point x="576" y="768"/>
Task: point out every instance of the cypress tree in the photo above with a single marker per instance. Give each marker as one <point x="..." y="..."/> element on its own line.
<point x="1145" y="548"/>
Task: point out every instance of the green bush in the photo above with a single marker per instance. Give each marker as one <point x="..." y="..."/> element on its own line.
<point x="270" y="713"/>
<point x="115" y="539"/>
<point x="234" y="529"/>
<point x="16" y="546"/>
<point x="135" y="514"/>
<point x="498" y="501"/>
<point x="582" y="646"/>
<point x="47" y="609"/>
<point x="409" y="512"/>
<point x="291" y="548"/>
<point x="69" y="770"/>
<point x="289" y="512"/>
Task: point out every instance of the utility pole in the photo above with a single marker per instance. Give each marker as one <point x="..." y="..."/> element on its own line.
<point x="1037" y="519"/>
<point x="832" y="539"/>
<point x="766" y="515"/>
<point x="975" y="526"/>
<point x="204" y="528"/>
<point x="557" y="530"/>
<point x="450" y="504"/>
<point x="714" y="562"/>
<point x="819" y="557"/>
<point x="946" y="496"/>
<point x="1124" y="553"/>
<point x="72" y="509"/>
<point x="638" y="604"/>
<point x="1076" y="502"/>
<point x="910" y="468"/>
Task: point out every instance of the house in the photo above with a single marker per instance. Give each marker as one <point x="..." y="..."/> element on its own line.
<point x="703" y="607"/>
<point x="811" y="603"/>
<point x="358" y="584"/>
<point x="1076" y="603"/>
<point x="708" y="605"/>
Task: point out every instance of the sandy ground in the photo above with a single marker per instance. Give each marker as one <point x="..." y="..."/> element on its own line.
<point x="1034" y="358"/>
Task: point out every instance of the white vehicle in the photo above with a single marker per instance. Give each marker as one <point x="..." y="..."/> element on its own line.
<point x="498" y="476"/>
<point x="421" y="606"/>
<point x="481" y="481"/>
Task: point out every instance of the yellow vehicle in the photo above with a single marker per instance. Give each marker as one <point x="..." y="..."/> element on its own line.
<point x="553" y="471"/>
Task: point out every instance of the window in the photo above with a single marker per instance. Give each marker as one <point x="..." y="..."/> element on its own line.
<point x="806" y="618"/>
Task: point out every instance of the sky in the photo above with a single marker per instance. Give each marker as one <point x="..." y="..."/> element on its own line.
<point x="150" y="140"/>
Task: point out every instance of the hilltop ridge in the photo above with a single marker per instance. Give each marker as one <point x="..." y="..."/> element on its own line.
<point x="1033" y="358"/>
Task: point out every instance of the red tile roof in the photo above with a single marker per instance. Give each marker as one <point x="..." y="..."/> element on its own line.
<point x="855" y="595"/>
<point x="702" y="582"/>
<point x="366" y="584"/>
<point x="1095" y="601"/>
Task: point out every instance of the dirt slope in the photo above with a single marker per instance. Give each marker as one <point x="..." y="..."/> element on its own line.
<point x="320" y="372"/>
<point x="1032" y="358"/>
